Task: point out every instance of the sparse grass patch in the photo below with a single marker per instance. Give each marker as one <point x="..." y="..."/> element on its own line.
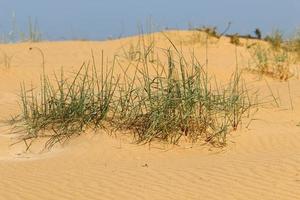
<point x="181" y="102"/>
<point x="65" y="107"/>
<point x="266" y="61"/>
<point x="275" y="39"/>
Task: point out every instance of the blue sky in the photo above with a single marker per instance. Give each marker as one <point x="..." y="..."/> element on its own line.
<point x="99" y="19"/>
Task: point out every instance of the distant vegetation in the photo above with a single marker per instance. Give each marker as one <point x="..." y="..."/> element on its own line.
<point x="267" y="61"/>
<point x="273" y="58"/>
<point x="275" y="39"/>
<point x="211" y="31"/>
<point x="32" y="34"/>
<point x="258" y="33"/>
<point x="277" y="58"/>
<point x="235" y="39"/>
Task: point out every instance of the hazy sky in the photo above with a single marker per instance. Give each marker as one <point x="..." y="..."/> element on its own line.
<point x="99" y="19"/>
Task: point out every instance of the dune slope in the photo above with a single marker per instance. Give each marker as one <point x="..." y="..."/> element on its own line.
<point x="261" y="161"/>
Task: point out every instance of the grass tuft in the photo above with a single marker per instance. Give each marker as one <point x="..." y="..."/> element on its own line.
<point x="63" y="108"/>
<point x="182" y="103"/>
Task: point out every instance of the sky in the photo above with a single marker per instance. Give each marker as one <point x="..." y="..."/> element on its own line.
<point x="101" y="19"/>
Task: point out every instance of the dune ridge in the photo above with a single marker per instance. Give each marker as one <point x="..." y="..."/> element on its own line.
<point x="261" y="161"/>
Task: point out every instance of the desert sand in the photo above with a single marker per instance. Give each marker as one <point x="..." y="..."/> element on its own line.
<point x="260" y="161"/>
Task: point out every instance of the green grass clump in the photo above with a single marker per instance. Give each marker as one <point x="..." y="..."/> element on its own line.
<point x="164" y="100"/>
<point x="180" y="102"/>
<point x="63" y="108"/>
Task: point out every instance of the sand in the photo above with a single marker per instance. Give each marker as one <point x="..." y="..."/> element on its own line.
<point x="261" y="161"/>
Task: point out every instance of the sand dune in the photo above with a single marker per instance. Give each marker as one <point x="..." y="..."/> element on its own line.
<point x="261" y="161"/>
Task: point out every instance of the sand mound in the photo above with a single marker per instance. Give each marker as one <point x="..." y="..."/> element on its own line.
<point x="261" y="161"/>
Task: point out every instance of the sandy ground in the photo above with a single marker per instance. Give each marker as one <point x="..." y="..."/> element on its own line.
<point x="261" y="161"/>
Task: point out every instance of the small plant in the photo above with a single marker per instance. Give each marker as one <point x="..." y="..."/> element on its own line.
<point x="34" y="35"/>
<point x="275" y="39"/>
<point x="257" y="33"/>
<point x="65" y="108"/>
<point x="210" y="31"/>
<point x="234" y="39"/>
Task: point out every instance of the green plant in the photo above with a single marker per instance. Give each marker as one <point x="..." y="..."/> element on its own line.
<point x="63" y="108"/>
<point x="211" y="31"/>
<point x="167" y="107"/>
<point x="257" y="33"/>
<point x="157" y="101"/>
<point x="34" y="35"/>
<point x="275" y="39"/>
